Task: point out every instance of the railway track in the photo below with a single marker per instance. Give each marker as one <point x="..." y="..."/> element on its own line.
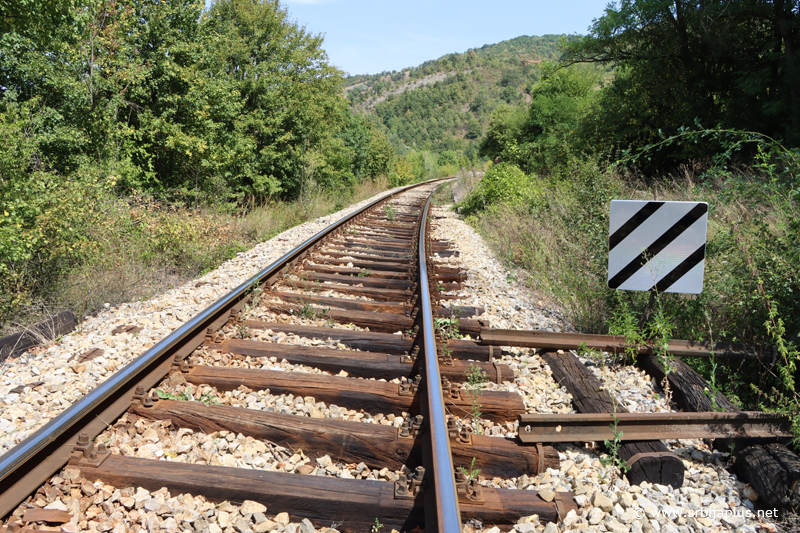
<point x="328" y="392"/>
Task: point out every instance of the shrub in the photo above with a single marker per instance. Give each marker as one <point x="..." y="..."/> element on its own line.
<point x="502" y="183"/>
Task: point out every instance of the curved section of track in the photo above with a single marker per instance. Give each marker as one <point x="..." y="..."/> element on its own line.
<point x="358" y="420"/>
<point x="25" y="467"/>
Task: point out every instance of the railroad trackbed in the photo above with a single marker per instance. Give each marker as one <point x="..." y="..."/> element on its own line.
<point x="356" y="384"/>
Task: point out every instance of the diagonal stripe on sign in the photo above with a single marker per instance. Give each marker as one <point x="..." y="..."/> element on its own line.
<point x="679" y="271"/>
<point x="659" y="244"/>
<point x="632" y="223"/>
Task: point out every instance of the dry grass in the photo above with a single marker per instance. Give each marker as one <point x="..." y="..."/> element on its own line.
<point x="144" y="247"/>
<point x="559" y="242"/>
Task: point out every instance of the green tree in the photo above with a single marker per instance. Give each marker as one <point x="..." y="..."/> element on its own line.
<point x="291" y="95"/>
<point x="727" y="63"/>
<point x="559" y="105"/>
<point x="503" y="133"/>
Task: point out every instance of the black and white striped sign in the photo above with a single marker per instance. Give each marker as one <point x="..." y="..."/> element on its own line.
<point x="657" y="246"/>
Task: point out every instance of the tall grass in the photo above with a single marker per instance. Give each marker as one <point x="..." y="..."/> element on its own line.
<point x="555" y="228"/>
<point x="138" y="246"/>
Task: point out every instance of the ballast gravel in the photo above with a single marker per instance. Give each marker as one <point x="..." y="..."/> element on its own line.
<point x="710" y="500"/>
<point x="59" y="379"/>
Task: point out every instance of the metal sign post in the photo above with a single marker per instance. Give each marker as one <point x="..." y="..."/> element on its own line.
<point x="657" y="246"/>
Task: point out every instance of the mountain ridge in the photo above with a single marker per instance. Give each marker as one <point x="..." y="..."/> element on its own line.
<point x="443" y="105"/>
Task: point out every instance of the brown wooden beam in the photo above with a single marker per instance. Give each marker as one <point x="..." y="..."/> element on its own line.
<point x="375" y="445"/>
<point x="346" y="271"/>
<point x="547" y="340"/>
<point x="370" y="396"/>
<point x="386" y="322"/>
<point x="597" y="427"/>
<point x="360" y="364"/>
<point x="353" y="503"/>
<point x="366" y="280"/>
<point x="378" y="294"/>
<point x="342" y="303"/>
<point x="48" y="329"/>
<point x="370" y="262"/>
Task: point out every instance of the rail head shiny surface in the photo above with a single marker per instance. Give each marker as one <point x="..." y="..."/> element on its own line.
<point x="35" y="443"/>
<point x="448" y="513"/>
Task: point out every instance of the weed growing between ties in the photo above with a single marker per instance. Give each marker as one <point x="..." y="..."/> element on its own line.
<point x="390" y="212"/>
<point x="476" y="378"/>
<point x="447" y="328"/>
<point x="206" y="398"/>
<point x="471" y="471"/>
<point x="613" y="445"/>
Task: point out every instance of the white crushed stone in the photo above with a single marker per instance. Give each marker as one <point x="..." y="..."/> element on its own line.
<point x="710" y="500"/>
<point x="66" y="381"/>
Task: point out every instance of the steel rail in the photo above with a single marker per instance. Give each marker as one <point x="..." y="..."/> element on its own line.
<point x="448" y="516"/>
<point x="597" y="427"/>
<point x="615" y="344"/>
<point x="37" y="458"/>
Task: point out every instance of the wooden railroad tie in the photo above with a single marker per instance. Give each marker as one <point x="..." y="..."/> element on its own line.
<point x="371" y="396"/>
<point x="355" y="503"/>
<point x="46" y="330"/>
<point x="356" y="364"/>
<point x="375" y="445"/>
<point x="650" y="460"/>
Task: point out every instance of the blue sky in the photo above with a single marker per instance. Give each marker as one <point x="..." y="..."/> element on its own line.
<point x="371" y="36"/>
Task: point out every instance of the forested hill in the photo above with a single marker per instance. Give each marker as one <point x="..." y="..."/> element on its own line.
<point x="443" y="106"/>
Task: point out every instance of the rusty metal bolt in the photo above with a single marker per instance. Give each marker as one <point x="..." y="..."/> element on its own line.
<point x="402" y="485"/>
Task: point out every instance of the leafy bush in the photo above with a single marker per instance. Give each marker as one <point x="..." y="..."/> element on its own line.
<point x="44" y="218"/>
<point x="503" y="183"/>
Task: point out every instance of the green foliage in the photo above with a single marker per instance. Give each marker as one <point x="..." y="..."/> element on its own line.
<point x="106" y="99"/>
<point x="206" y="398"/>
<point x="503" y="133"/>
<point x="390" y="212"/>
<point x="43" y="225"/>
<point x="613" y="445"/>
<point x="558" y="106"/>
<point x="623" y="323"/>
<point x="471" y="471"/>
<point x="503" y="183"/>
<point x="447" y="328"/>
<point x="727" y="64"/>
<point x="476" y="377"/>
<point x="235" y="101"/>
